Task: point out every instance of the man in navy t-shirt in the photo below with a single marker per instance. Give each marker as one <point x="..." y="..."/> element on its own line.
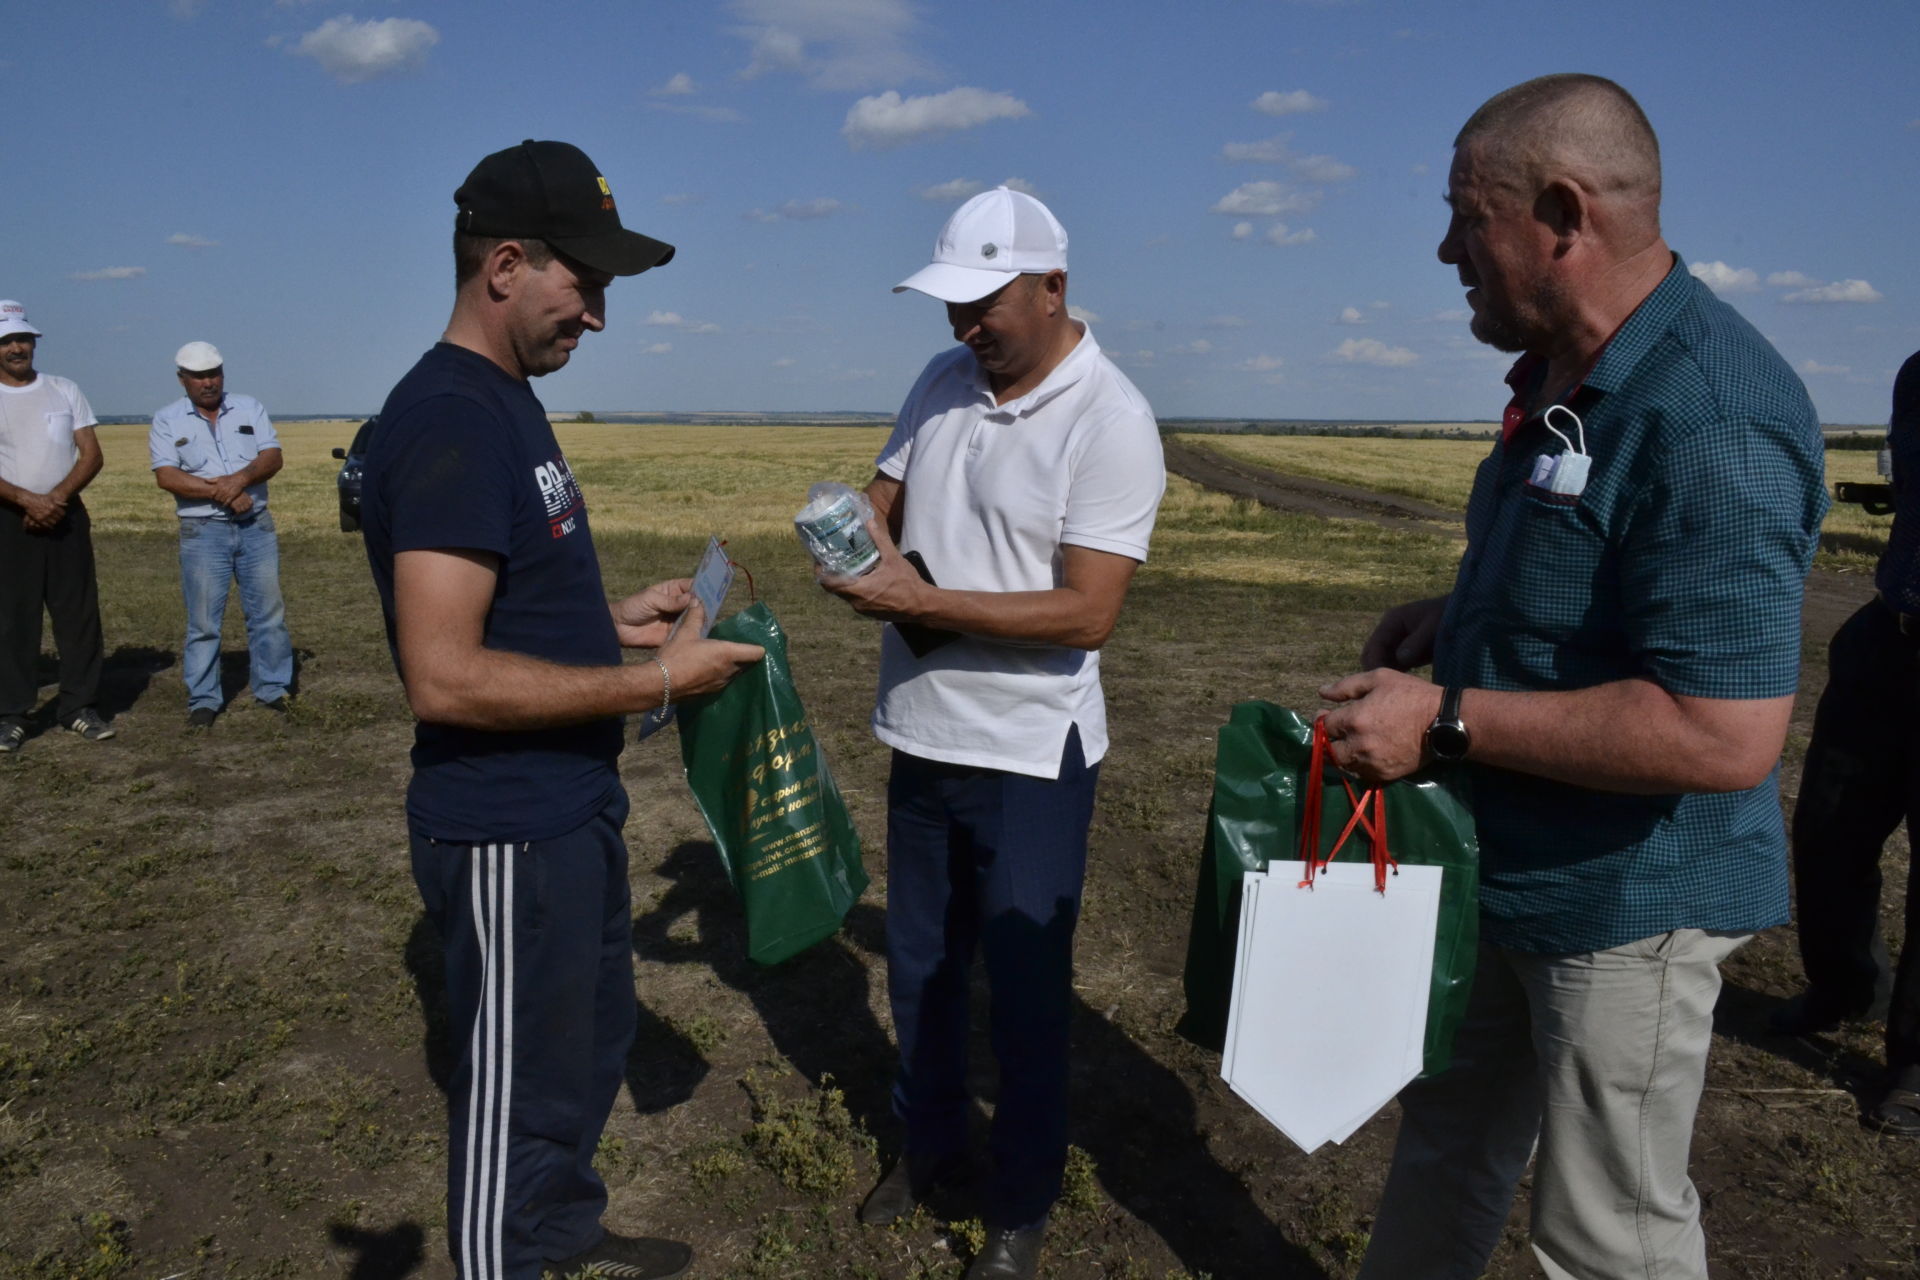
<point x="511" y="657"/>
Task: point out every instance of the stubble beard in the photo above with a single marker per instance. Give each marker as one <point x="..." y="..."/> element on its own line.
<point x="1530" y="327"/>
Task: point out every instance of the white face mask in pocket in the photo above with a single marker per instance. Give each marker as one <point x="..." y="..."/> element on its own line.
<point x="1564" y="473"/>
<point x="59" y="427"/>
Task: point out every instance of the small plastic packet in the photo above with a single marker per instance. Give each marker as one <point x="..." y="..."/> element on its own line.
<point x="833" y="529"/>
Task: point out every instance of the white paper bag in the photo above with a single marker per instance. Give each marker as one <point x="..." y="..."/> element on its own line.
<point x="1329" y="1011"/>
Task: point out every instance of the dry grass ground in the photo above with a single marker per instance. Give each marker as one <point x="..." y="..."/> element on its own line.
<point x="219" y="1023"/>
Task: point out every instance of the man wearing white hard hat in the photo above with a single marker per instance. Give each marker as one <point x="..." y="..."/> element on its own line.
<point x="47" y="455"/>
<point x="215" y="452"/>
<point x="1013" y="503"/>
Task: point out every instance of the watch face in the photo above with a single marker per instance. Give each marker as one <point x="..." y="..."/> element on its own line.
<point x="1447" y="739"/>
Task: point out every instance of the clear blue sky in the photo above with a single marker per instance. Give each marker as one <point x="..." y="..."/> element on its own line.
<point x="1252" y="189"/>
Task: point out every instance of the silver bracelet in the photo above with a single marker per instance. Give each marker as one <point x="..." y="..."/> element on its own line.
<point x="666" y="685"/>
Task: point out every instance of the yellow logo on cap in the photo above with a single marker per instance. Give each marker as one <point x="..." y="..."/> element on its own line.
<point x="605" y="190"/>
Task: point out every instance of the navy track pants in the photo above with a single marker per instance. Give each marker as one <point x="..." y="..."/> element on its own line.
<point x="541" y="1013"/>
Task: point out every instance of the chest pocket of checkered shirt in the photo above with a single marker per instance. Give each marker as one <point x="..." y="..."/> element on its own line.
<point x="1558" y="582"/>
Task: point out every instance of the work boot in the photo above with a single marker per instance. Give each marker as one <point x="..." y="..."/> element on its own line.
<point x="910" y="1182"/>
<point x="1009" y="1254"/>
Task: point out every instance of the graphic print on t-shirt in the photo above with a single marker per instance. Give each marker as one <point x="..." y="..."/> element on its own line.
<point x="561" y="495"/>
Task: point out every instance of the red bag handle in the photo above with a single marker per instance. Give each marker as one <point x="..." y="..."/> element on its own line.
<point x="1369" y="813"/>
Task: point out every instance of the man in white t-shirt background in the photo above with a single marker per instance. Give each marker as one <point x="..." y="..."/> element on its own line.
<point x="47" y="455"/>
<point x="1023" y="476"/>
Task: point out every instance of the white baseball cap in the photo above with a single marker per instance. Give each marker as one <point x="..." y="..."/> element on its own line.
<point x="989" y="240"/>
<point x="13" y="319"/>
<point x="198" y="357"/>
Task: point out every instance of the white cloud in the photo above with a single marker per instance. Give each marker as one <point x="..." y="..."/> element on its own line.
<point x="1243" y="231"/>
<point x="1350" y="315"/>
<point x="798" y="210"/>
<point x="1452" y="315"/>
<point x="1373" y="351"/>
<point x="1914" y="124"/>
<point x="1226" y="322"/>
<point x="699" y="111"/>
<point x="834" y="44"/>
<point x="110" y="273"/>
<point x="950" y="192"/>
<point x="888" y="120"/>
<point x="1419" y="169"/>
<point x="1813" y="368"/>
<point x="656" y="349"/>
<point x="674" y="320"/>
<point x="1083" y="314"/>
<point x="1292" y="103"/>
<point x="185" y="10"/>
<point x="186" y="241"/>
<point x="1272" y="150"/>
<point x="1279" y="233"/>
<point x="682" y="197"/>
<point x="1838" y="291"/>
<point x="1792" y="280"/>
<point x="1323" y="169"/>
<point x="353" y="52"/>
<point x="1021" y="185"/>
<point x="1198" y="347"/>
<point x="1264" y="199"/>
<point x="785" y="362"/>
<point x="1721" y="278"/>
<point x="679" y="84"/>
<point x="1260" y="364"/>
<point x="1275" y="150"/>
<point x="1141" y="359"/>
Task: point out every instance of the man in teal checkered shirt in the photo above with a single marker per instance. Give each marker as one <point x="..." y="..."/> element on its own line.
<point x="1615" y="667"/>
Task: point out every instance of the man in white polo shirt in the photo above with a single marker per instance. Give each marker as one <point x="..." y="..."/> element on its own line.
<point x="1022" y="478"/>
<point x="215" y="452"/>
<point x="47" y="455"/>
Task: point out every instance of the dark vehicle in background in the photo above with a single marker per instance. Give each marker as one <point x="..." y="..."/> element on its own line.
<point x="353" y="461"/>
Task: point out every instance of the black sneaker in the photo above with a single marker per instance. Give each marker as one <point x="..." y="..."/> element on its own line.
<point x="87" y="723"/>
<point x="12" y="734"/>
<point x="201" y="718"/>
<point x="624" y="1258"/>
<point x="279" y="706"/>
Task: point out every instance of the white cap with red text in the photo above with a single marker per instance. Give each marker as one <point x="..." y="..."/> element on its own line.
<point x="13" y="319"/>
<point x="989" y="240"/>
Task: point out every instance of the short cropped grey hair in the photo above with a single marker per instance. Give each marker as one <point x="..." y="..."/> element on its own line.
<point x="1584" y="125"/>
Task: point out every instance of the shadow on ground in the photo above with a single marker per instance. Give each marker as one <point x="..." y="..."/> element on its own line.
<point x="1134" y="1116"/>
<point x="125" y="674"/>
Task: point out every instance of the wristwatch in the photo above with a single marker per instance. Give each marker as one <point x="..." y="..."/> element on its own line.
<point x="1446" y="737"/>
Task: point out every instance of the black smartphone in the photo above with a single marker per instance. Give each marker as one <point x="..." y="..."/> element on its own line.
<point x="923" y="640"/>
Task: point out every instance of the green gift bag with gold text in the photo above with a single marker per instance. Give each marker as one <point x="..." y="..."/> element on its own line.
<point x="769" y="799"/>
<point x="1259" y="799"/>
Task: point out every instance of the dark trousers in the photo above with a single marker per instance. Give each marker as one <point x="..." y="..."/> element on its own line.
<point x="541" y="1013"/>
<point x="50" y="570"/>
<point x="1862" y="777"/>
<point x="980" y="858"/>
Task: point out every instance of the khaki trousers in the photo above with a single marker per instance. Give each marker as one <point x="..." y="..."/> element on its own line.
<point x="1591" y="1065"/>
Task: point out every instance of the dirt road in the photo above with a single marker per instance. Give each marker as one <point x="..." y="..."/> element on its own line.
<point x="1830" y="598"/>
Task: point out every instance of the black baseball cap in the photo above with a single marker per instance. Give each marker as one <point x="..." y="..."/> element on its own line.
<point x="550" y="191"/>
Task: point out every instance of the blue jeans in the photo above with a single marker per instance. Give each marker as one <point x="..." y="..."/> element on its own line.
<point x="981" y="860"/>
<point x="213" y="555"/>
